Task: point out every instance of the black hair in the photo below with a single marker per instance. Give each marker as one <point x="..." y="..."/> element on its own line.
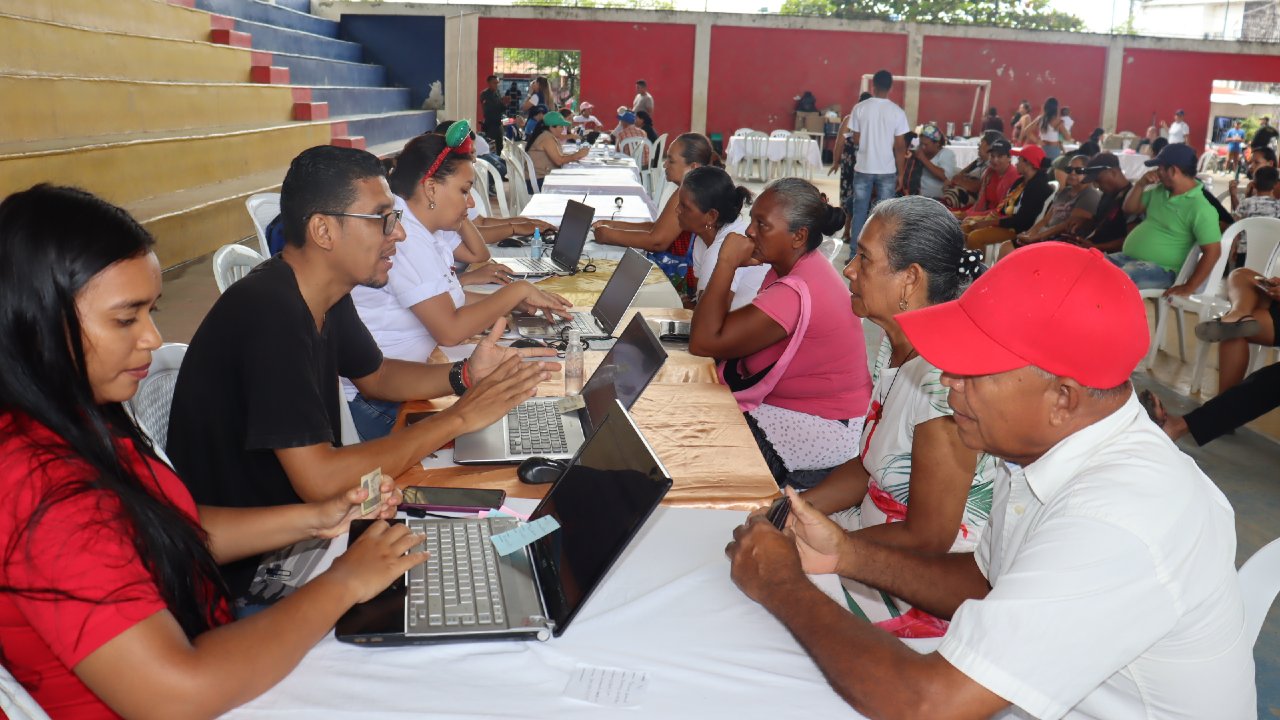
<point x="990" y="136"/>
<point x="882" y="80"/>
<point x="416" y="159"/>
<point x="1097" y="134"/>
<point x="806" y="208"/>
<point x="1065" y="111"/>
<point x="642" y="83"/>
<point x="992" y="112"/>
<point x="322" y="179"/>
<point x="1157" y="145"/>
<point x="1050" y="111"/>
<point x="922" y="231"/>
<point x="648" y="125"/>
<point x="696" y="148"/>
<point x="1089" y="148"/>
<point x="537" y="130"/>
<point x="1267" y="154"/>
<point x="864" y="96"/>
<point x="53" y="241"/>
<point x="491" y="77"/>
<point x="1265" y="178"/>
<point x="711" y="188"/>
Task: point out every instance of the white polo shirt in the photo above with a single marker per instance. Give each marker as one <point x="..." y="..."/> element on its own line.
<point x="746" y="280"/>
<point x="1178" y="132"/>
<point x="1114" y="591"/>
<point x="423" y="267"/>
<point x="878" y="121"/>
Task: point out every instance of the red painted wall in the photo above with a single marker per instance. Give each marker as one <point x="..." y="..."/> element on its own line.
<point x="1017" y="70"/>
<point x="756" y="72"/>
<point x="614" y="56"/>
<point x="1161" y="81"/>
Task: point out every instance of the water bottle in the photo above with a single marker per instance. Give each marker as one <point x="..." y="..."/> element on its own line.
<point x="573" y="364"/>
<point x="535" y="248"/>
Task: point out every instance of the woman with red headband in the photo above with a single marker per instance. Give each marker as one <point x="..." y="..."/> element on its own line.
<point x="423" y="304"/>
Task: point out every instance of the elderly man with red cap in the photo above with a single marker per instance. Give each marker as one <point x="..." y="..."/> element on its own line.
<point x="1104" y="586"/>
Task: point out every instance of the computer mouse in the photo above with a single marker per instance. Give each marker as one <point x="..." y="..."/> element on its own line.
<point x="540" y="470"/>
<point x="510" y="243"/>
<point x="528" y="343"/>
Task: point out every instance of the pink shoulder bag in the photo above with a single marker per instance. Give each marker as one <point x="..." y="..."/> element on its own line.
<point x="752" y="391"/>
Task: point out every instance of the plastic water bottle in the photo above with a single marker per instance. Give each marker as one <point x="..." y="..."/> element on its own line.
<point x="573" y="364"/>
<point x="535" y="247"/>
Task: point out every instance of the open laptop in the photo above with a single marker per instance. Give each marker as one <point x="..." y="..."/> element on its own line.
<point x="537" y="427"/>
<point x="568" y="248"/>
<point x="605" y="314"/>
<point x="601" y="501"/>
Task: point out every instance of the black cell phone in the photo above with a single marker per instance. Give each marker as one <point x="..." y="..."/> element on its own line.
<point x="463" y="500"/>
<point x="779" y="511"/>
<point x="414" y="417"/>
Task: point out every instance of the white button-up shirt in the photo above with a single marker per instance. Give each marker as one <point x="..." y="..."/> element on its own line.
<point x="1114" y="591"/>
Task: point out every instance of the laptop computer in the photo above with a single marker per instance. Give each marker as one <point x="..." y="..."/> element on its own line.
<point x="568" y="248"/>
<point x="600" y="501"/>
<point x="605" y="314"/>
<point x="537" y="427"/>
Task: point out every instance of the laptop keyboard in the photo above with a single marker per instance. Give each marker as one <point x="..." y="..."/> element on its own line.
<point x="535" y="428"/>
<point x="458" y="585"/>
<point x="541" y="265"/>
<point x="581" y="322"/>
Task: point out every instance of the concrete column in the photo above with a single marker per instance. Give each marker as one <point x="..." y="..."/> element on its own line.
<point x="1111" y="85"/>
<point x="915" y="62"/>
<point x="701" y="74"/>
<point x="461" y="49"/>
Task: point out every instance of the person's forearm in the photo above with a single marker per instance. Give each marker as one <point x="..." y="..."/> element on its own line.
<point x="635" y="238"/>
<point x="493" y="232"/>
<point x="236" y="533"/>
<point x="463" y="323"/>
<point x="841" y="489"/>
<point x="707" y="325"/>
<point x="934" y="582"/>
<point x="1204" y="266"/>
<point x="473" y="248"/>
<point x="1133" y="201"/>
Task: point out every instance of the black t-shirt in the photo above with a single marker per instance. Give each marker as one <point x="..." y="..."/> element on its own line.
<point x="1263" y="136"/>
<point x="1111" y="222"/>
<point x="1224" y="216"/>
<point x="493" y="106"/>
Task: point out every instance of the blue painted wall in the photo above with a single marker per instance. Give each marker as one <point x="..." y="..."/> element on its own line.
<point x="411" y="48"/>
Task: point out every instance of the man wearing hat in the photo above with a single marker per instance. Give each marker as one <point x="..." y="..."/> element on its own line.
<point x="1111" y="223"/>
<point x="1179" y="130"/>
<point x="627" y="129"/>
<point x="1178" y="216"/>
<point x="1105" y="585"/>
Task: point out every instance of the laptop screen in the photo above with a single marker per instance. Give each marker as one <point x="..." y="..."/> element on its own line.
<point x="624" y="373"/>
<point x="621" y="290"/>
<point x="601" y="502"/>
<point x="573" y="234"/>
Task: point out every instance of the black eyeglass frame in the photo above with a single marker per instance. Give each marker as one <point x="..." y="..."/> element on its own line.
<point x="389" y="221"/>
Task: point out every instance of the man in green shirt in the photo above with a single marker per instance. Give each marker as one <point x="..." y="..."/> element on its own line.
<point x="1177" y="217"/>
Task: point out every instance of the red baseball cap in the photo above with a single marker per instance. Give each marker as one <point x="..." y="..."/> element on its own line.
<point x="1059" y="307"/>
<point x="1033" y="153"/>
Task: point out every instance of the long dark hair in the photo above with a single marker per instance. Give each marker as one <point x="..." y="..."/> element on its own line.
<point x="1050" y="113"/>
<point x="417" y="158"/>
<point x="648" y="125"/>
<point x="696" y="148"/>
<point x="712" y="188"/>
<point x="54" y="240"/>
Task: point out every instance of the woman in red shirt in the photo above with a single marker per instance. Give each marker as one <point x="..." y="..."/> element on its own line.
<point x="110" y="598"/>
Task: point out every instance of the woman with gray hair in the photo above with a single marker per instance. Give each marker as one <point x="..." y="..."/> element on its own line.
<point x="913" y="484"/>
<point x="794" y="356"/>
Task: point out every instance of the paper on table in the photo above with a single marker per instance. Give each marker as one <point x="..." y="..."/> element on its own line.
<point x="512" y="540"/>
<point x="612" y="687"/>
<point x="457" y="352"/>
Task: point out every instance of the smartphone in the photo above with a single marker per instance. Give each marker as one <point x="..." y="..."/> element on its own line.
<point x="778" y="512"/>
<point x="462" y="500"/>
<point x="1263" y="283"/>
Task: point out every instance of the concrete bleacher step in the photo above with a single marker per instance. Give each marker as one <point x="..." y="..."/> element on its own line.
<point x="361" y="100"/>
<point x="313" y="71"/>
<point x="154" y="18"/>
<point x="55" y="108"/>
<point x="283" y="40"/>
<point x="277" y="14"/>
<point x="26" y="44"/>
<point x="389" y="127"/>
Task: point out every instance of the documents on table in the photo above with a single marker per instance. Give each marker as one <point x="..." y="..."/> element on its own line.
<point x="611" y="687"/>
<point x="512" y="540"/>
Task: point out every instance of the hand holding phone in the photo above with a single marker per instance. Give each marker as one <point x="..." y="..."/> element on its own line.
<point x="778" y="512"/>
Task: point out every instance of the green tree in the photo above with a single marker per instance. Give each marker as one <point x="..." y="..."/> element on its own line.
<point x="622" y="4"/>
<point x="1021" y="14"/>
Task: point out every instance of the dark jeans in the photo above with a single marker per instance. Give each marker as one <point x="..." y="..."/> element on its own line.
<point x="373" y="418"/>
<point x="1255" y="396"/>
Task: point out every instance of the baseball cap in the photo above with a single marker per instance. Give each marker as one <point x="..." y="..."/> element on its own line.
<point x="1175" y="155"/>
<point x="627" y="116"/>
<point x="1033" y="154"/>
<point x="1062" y="308"/>
<point x="1179" y="112"/>
<point x="931" y="131"/>
<point x="1100" y="163"/>
<point x="999" y="147"/>
<point x="555" y="119"/>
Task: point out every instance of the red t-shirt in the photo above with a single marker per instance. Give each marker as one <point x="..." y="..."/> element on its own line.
<point x="78" y="547"/>
<point x="828" y="375"/>
<point x="994" y="188"/>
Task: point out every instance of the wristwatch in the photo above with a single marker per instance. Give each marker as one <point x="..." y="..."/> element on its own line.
<point x="455" y="378"/>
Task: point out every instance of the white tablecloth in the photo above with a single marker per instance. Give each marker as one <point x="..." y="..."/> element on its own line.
<point x="775" y="150"/>
<point x="550" y="207"/>
<point x="593" y="183"/>
<point x="668" y="608"/>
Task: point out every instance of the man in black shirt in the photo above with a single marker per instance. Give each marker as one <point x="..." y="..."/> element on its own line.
<point x="492" y="108"/>
<point x="255" y="417"/>
<point x="1263" y="136"/>
<point x="1111" y="223"/>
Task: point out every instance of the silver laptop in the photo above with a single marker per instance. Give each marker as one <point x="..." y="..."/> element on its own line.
<point x="605" y="314"/>
<point x="568" y="248"/>
<point x="466" y="591"/>
<point x="536" y="427"/>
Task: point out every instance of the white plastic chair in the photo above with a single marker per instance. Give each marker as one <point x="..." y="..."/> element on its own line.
<point x="654" y="177"/>
<point x="491" y="181"/>
<point x="636" y="147"/>
<point x="350" y="436"/>
<point x="15" y="702"/>
<point x="796" y="161"/>
<point x="263" y="208"/>
<point x="1162" y="309"/>
<point x="780" y="134"/>
<point x="755" y="159"/>
<point x="742" y="132"/>
<point x="1259" y="584"/>
<point x="481" y="202"/>
<point x="232" y="262"/>
<point x="518" y="174"/>
<point x="150" y="404"/>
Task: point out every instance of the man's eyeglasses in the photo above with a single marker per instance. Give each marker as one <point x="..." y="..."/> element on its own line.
<point x="389" y="220"/>
<point x="1074" y="171"/>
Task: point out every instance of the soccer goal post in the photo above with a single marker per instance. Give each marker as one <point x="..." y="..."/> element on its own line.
<point x="981" y="91"/>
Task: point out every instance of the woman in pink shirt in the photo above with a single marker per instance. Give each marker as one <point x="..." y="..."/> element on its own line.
<point x="798" y="338"/>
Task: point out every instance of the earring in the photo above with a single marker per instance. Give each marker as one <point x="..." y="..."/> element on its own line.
<point x="902" y="304"/>
<point x="431" y="205"/>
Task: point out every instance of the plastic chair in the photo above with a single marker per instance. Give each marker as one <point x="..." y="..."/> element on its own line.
<point x="232" y="262"/>
<point x="150" y="404"/>
<point x="1162" y="309"/>
<point x="1259" y="584"/>
<point x="636" y="147"/>
<point x="263" y="208"/>
<point x="481" y="201"/>
<point x="755" y="159"/>
<point x="521" y="178"/>
<point x="796" y="161"/>
<point x="491" y="186"/>
<point x="350" y="436"/>
<point x="742" y="132"/>
<point x="15" y="702"/>
<point x="780" y="134"/>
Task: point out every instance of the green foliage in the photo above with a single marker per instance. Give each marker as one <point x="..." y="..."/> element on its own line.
<point x="622" y="4"/>
<point x="1023" y="14"/>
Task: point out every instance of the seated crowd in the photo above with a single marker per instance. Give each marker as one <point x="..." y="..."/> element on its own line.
<point x="989" y="478"/>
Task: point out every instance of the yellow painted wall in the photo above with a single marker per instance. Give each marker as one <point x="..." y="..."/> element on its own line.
<point x="31" y="46"/>
<point x="199" y="231"/>
<point x="139" y="17"/>
<point x="55" y="108"/>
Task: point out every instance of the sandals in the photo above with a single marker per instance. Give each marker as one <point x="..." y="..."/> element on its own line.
<point x="1155" y="408"/>
<point x="1217" y="330"/>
